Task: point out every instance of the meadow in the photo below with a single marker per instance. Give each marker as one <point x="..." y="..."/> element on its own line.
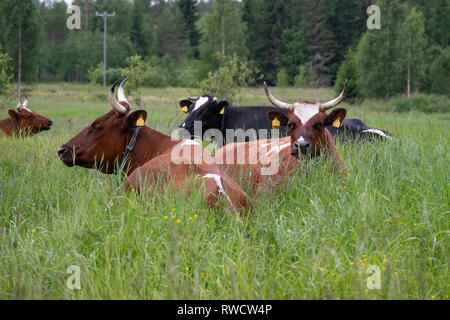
<point x="313" y="239"/>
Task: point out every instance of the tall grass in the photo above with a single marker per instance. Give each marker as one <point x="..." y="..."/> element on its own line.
<point x="313" y="239"/>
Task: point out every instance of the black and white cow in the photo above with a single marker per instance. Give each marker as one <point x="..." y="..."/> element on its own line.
<point x="219" y="115"/>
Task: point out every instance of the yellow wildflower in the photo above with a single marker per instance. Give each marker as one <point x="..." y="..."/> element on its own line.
<point x="178" y="221"/>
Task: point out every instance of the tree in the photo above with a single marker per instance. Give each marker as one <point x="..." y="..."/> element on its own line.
<point x="141" y="32"/>
<point x="224" y="32"/>
<point x="295" y="40"/>
<point x="22" y="37"/>
<point x="322" y="47"/>
<point x="169" y="31"/>
<point x="266" y="20"/>
<point x="226" y="81"/>
<point x="348" y="71"/>
<point x="189" y="10"/>
<point x="5" y="71"/>
<point x="440" y="70"/>
<point x="377" y="54"/>
<point x="411" y="43"/>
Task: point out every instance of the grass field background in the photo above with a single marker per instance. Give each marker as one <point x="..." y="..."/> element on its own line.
<point x="313" y="239"/>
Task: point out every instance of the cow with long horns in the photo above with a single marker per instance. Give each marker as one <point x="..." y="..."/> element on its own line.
<point x="269" y="162"/>
<point x="23" y="121"/>
<point x="150" y="158"/>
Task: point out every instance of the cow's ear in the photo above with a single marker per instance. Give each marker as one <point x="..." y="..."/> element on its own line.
<point x="137" y="118"/>
<point x="13" y="114"/>
<point x="336" y="118"/>
<point x="277" y="118"/>
<point x="185" y="105"/>
<point x="222" y="107"/>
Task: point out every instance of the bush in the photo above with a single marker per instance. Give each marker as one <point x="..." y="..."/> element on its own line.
<point x="441" y="73"/>
<point x="348" y="70"/>
<point x="283" y="78"/>
<point x="225" y="82"/>
<point x="5" y="71"/>
<point x="301" y="79"/>
<point x="423" y="103"/>
<point x="141" y="73"/>
<point x="187" y="73"/>
<point x="95" y="75"/>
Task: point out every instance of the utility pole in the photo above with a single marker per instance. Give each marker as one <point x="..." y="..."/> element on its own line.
<point x="105" y="16"/>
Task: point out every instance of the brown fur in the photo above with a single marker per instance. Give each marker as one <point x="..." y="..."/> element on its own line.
<point x="24" y="122"/>
<point x="106" y="139"/>
<point x="314" y="131"/>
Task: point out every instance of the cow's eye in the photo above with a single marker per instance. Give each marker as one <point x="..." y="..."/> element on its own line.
<point x="30" y="116"/>
<point x="292" y="125"/>
<point x="97" y="127"/>
<point x="318" y="125"/>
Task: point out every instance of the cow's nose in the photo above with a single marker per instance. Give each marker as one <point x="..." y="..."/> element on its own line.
<point x="304" y="146"/>
<point x="50" y="122"/>
<point x="61" y="151"/>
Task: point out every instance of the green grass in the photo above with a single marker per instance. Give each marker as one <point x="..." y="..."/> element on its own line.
<point x="312" y="240"/>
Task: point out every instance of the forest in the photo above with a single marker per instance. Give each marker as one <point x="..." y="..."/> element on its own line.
<point x="298" y="43"/>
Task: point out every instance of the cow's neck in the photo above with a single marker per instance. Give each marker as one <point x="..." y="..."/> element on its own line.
<point x="7" y="126"/>
<point x="149" y="144"/>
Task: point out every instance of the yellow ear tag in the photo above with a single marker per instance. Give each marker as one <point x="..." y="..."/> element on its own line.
<point x="222" y="111"/>
<point x="185" y="109"/>
<point x="140" y="122"/>
<point x="337" y="123"/>
<point x="276" y="123"/>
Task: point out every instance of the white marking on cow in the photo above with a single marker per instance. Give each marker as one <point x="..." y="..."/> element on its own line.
<point x="184" y="124"/>
<point x="301" y="139"/>
<point x="305" y="111"/>
<point x="218" y="180"/>
<point x="278" y="148"/>
<point x="200" y="102"/>
<point x="376" y="131"/>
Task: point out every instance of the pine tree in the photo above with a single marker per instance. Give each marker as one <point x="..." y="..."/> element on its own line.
<point x="295" y="42"/>
<point x="141" y="32"/>
<point x="322" y="47"/>
<point x="170" y="33"/>
<point x="189" y="10"/>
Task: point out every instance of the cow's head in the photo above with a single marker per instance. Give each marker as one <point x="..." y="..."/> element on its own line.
<point x="102" y="143"/>
<point x="307" y="121"/>
<point x="27" y="121"/>
<point x="204" y="109"/>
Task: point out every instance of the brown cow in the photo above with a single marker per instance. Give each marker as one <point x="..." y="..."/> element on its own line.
<point x="269" y="162"/>
<point x="155" y="157"/>
<point x="23" y="121"/>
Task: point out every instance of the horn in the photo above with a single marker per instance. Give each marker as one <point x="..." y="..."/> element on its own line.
<point x="120" y="109"/>
<point x="25" y="103"/>
<point x="333" y="103"/>
<point x="120" y="92"/>
<point x="194" y="98"/>
<point x="19" y="104"/>
<point x="276" y="102"/>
